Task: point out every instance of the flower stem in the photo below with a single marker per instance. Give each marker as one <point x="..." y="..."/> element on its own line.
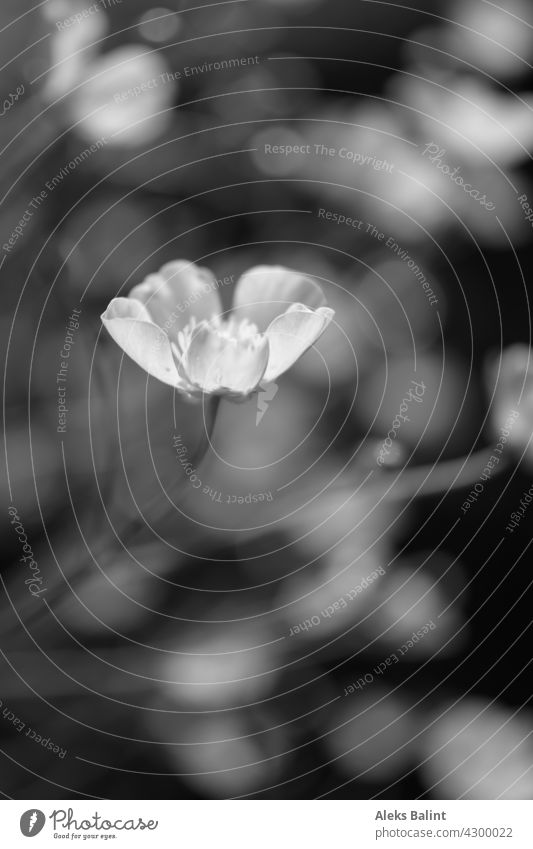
<point x="138" y="524"/>
<point x="434" y="479"/>
<point x="131" y="530"/>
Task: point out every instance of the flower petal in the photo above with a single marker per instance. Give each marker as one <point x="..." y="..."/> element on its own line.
<point x="291" y="334"/>
<point x="265" y="292"/>
<point x="130" y="325"/>
<point x="215" y="363"/>
<point x="179" y="291"/>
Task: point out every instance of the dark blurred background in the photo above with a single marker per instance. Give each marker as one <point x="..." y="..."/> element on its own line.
<point x="166" y="656"/>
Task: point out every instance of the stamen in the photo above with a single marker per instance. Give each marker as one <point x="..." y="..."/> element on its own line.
<point x="237" y="330"/>
<point x="185" y="335"/>
<point x="231" y="329"/>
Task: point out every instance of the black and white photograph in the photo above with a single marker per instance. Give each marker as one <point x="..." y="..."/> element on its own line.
<point x="267" y="466"/>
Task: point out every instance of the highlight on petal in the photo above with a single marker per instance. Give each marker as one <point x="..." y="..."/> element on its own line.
<point x="217" y="362"/>
<point x="266" y="291"/>
<point x="291" y="334"/>
<point x="179" y="291"/>
<point x="128" y="322"/>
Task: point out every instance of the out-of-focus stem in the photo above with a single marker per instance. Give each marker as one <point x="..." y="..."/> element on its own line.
<point x="132" y="529"/>
<point x="440" y="478"/>
<point x="137" y="525"/>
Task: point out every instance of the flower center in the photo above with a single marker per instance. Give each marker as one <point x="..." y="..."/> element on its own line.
<point x="237" y="330"/>
<point x="231" y="329"/>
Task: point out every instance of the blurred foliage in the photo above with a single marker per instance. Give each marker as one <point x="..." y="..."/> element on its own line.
<point x="166" y="650"/>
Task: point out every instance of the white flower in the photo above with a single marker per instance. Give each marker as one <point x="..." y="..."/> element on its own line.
<point x="173" y="326"/>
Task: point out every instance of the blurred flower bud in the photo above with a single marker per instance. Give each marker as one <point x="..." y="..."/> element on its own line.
<point x="225" y="755"/>
<point x="477" y="750"/>
<point x="365" y="159"/>
<point x="221" y="665"/>
<point x="125" y="97"/>
<point x="413" y="611"/>
<point x="321" y="603"/>
<point x="494" y="39"/>
<point x="480" y="123"/>
<point x="345" y="537"/>
<point x="342" y="513"/>
<point x="159" y="24"/>
<point x="392" y="459"/>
